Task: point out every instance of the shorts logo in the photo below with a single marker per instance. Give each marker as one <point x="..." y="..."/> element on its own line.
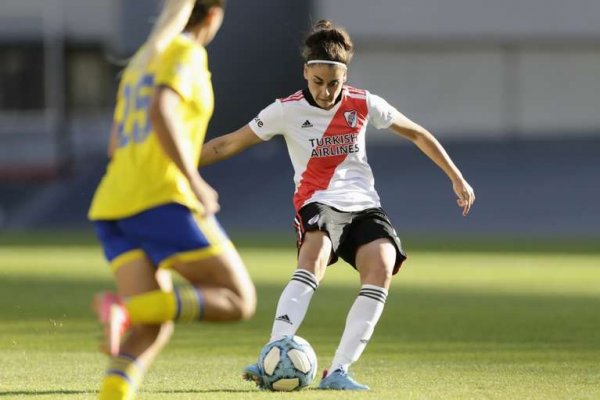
<point x="258" y="122"/>
<point x="313" y="220"/>
<point x="351" y="119"/>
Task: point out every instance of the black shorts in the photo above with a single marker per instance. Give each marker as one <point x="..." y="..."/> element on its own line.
<point x="348" y="230"/>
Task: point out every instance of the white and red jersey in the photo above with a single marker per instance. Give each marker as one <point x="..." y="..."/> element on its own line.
<point x="327" y="147"/>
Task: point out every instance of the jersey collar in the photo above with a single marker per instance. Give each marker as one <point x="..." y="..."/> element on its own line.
<point x="312" y="101"/>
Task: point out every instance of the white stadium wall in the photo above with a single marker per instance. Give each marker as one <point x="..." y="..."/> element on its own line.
<point x="485" y="69"/>
<point x="83" y="19"/>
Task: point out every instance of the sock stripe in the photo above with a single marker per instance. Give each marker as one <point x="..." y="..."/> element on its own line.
<point x="201" y="302"/>
<point x="382" y="292"/>
<point x="374" y="294"/>
<point x="305" y="277"/>
<point x="121" y="374"/>
<point x="373" y="297"/>
<point x="127" y="367"/>
<point x="178" y="305"/>
<point x="307" y="283"/>
<point x="190" y="304"/>
<point x="373" y="291"/>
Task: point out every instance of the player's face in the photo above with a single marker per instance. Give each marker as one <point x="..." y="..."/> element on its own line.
<point x="325" y="82"/>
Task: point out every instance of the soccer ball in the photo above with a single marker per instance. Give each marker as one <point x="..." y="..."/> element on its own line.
<point x="289" y="363"/>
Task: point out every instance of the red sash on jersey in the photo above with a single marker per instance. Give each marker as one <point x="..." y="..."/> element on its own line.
<point x="349" y="119"/>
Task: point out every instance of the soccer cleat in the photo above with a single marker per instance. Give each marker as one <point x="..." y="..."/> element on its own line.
<point x="253" y="373"/>
<point x="115" y="319"/>
<point x="340" y="380"/>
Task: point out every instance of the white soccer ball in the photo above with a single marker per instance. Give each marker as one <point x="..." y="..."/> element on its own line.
<point x="289" y="363"/>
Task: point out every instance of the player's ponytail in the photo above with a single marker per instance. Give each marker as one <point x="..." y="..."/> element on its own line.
<point x="328" y="42"/>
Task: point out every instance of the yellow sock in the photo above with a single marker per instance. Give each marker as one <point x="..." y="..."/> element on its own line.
<point x="185" y="304"/>
<point x="122" y="378"/>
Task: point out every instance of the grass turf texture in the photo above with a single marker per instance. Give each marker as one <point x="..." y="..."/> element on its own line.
<point x="457" y="325"/>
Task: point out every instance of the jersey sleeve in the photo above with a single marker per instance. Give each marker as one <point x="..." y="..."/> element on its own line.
<point x="269" y="121"/>
<point x="381" y="113"/>
<point x="179" y="67"/>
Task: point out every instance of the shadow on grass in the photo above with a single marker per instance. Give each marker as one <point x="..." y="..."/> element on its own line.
<point x="42" y="393"/>
<point x="179" y="391"/>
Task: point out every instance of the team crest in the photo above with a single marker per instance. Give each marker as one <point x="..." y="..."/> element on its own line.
<point x="351" y="119"/>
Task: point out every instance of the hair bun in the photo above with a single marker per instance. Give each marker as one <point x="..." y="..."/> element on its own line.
<point x="323" y="25"/>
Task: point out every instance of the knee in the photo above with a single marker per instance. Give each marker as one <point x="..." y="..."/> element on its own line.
<point x="238" y="305"/>
<point x="381" y="276"/>
<point x="315" y="265"/>
<point x="246" y="305"/>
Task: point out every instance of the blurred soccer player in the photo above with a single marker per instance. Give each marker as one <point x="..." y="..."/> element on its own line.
<point x="153" y="212"/>
<point x="338" y="209"/>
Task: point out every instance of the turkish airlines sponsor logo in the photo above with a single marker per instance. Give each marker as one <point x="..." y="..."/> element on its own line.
<point x="336" y="145"/>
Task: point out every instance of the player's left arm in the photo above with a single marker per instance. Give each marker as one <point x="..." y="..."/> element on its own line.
<point x="169" y="132"/>
<point x="429" y="145"/>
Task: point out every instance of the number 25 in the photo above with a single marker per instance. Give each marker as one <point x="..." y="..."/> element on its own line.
<point x="137" y="100"/>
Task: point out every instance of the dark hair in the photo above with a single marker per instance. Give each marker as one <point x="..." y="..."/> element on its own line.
<point x="328" y="42"/>
<point x="200" y="10"/>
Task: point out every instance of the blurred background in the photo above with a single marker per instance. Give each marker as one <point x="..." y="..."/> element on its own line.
<point x="511" y="89"/>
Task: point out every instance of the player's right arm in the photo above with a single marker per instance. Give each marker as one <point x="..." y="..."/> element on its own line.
<point x="167" y="126"/>
<point x="267" y="124"/>
<point x="170" y="23"/>
<point x="228" y="145"/>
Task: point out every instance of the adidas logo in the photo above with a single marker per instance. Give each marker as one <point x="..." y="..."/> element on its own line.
<point x="307" y="124"/>
<point x="284" y="318"/>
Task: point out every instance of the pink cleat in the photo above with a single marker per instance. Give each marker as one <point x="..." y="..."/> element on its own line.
<point x="113" y="315"/>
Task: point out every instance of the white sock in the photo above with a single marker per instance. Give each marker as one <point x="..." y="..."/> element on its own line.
<point x="293" y="303"/>
<point x="360" y="323"/>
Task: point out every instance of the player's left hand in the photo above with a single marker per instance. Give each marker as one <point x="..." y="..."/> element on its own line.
<point x="465" y="194"/>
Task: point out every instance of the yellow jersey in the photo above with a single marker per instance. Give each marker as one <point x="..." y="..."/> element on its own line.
<point x="140" y="175"/>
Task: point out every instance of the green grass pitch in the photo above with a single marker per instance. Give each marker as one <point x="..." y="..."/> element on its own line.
<point x="457" y="325"/>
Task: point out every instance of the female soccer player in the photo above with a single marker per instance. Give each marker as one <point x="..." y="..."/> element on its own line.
<point x="338" y="209"/>
<point x="153" y="212"/>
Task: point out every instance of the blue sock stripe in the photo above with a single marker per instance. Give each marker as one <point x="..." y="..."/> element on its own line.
<point x="201" y="302"/>
<point x="121" y="374"/>
<point x="178" y="300"/>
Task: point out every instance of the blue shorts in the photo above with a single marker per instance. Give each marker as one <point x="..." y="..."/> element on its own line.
<point x="165" y="234"/>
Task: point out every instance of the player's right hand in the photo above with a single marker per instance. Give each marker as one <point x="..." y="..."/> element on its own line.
<point x="465" y="195"/>
<point x="208" y="197"/>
